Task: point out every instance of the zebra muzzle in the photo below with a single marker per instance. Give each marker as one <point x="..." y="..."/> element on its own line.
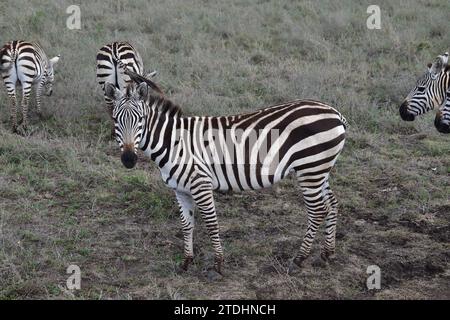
<point x="440" y="125"/>
<point x="404" y="114"/>
<point x="129" y="158"/>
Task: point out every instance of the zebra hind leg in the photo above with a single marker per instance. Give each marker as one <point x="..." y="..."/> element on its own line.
<point x="328" y="249"/>
<point x="38" y="99"/>
<point x="315" y="201"/>
<point x="25" y="99"/>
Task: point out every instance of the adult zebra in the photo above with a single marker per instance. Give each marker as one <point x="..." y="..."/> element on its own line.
<point x="26" y="64"/>
<point x="432" y="91"/>
<point x="197" y="155"/>
<point x="108" y="58"/>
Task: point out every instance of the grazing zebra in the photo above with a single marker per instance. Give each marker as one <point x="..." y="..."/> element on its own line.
<point x="197" y="155"/>
<point x="25" y="63"/>
<point x="432" y="91"/>
<point x="108" y="58"/>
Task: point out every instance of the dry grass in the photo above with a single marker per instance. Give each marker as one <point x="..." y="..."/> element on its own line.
<point x="66" y="199"/>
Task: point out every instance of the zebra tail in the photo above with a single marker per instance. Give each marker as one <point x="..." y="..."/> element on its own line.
<point x="344" y="121"/>
<point x="11" y="62"/>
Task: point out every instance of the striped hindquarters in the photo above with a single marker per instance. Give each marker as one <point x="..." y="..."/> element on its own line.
<point x="301" y="136"/>
<point x="23" y="61"/>
<point x="107" y="57"/>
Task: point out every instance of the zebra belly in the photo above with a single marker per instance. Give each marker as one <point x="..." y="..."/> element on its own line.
<point x="240" y="177"/>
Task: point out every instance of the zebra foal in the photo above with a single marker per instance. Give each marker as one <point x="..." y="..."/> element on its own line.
<point x="197" y="155"/>
<point x="26" y="64"/>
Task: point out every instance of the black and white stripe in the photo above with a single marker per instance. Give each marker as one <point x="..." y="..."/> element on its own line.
<point x="25" y="63"/>
<point x="431" y="92"/>
<point x="197" y="155"/>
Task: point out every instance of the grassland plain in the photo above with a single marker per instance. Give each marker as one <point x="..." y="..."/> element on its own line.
<point x="66" y="199"/>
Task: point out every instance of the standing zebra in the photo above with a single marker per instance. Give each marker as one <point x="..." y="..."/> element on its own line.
<point x="107" y="71"/>
<point x="26" y="64"/>
<point x="197" y="155"/>
<point x="432" y="91"/>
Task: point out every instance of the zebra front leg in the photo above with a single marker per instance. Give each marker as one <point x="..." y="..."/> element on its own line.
<point x="186" y="204"/>
<point x="204" y="199"/>
<point x="109" y="108"/>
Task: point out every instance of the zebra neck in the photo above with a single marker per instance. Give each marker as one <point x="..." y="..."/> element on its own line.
<point x="158" y="136"/>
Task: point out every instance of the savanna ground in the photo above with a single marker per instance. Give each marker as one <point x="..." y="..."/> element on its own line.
<point x="65" y="197"/>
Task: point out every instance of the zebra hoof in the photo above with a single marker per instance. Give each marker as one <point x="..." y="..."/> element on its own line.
<point x="218" y="263"/>
<point x="213" y="275"/>
<point x="299" y="261"/>
<point x="185" y="265"/>
<point x="319" y="262"/>
<point x="22" y="130"/>
<point x="328" y="256"/>
<point x="295" y="265"/>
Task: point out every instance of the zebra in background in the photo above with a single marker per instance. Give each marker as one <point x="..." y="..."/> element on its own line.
<point x="197" y="155"/>
<point x="108" y="58"/>
<point x="26" y="64"/>
<point x="432" y="91"/>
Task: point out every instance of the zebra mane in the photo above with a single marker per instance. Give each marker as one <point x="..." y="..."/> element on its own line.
<point x="162" y="104"/>
<point x="139" y="79"/>
<point x="165" y="106"/>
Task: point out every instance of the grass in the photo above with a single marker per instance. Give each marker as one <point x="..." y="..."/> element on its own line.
<point x="66" y="198"/>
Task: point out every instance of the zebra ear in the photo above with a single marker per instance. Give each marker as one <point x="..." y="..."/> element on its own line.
<point x="142" y="91"/>
<point x="54" y="60"/>
<point x="437" y="66"/>
<point x="445" y="58"/>
<point x="112" y="92"/>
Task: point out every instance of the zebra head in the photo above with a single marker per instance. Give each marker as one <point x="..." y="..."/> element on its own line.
<point x="49" y="75"/>
<point x="429" y="92"/>
<point x="129" y="119"/>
